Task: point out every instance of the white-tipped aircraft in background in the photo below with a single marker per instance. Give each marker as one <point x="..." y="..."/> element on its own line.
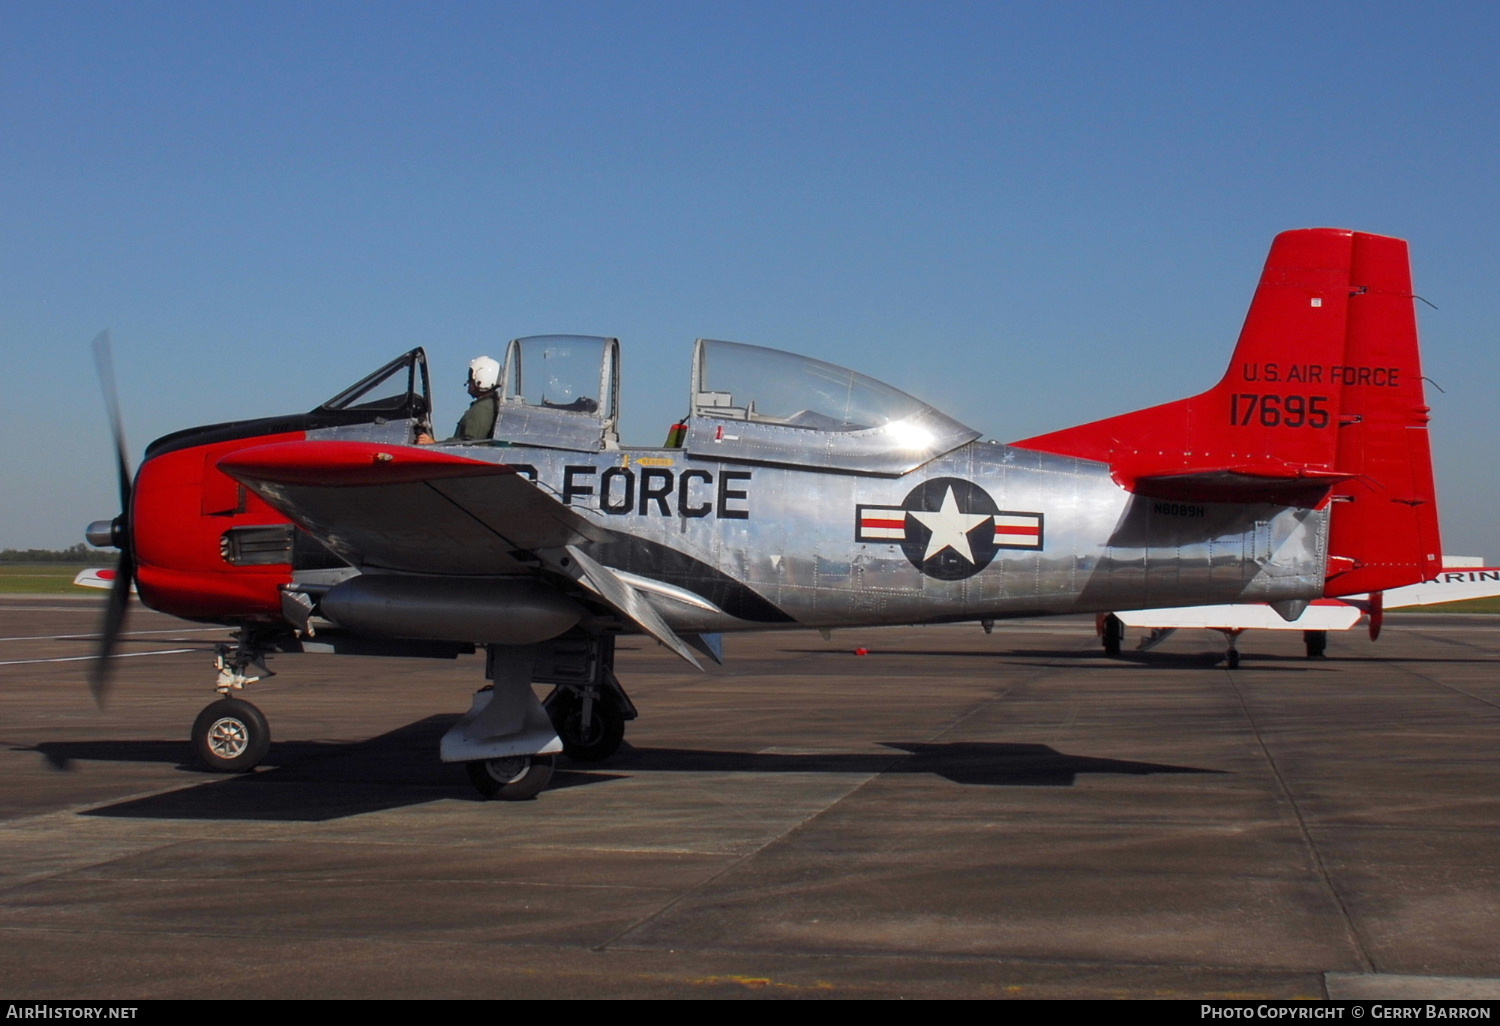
<point x="1462" y="578"/>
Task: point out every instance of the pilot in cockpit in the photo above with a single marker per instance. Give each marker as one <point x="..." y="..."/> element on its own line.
<point x="478" y="422"/>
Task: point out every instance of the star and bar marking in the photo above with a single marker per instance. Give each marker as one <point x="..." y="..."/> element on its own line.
<point x="949" y="528"/>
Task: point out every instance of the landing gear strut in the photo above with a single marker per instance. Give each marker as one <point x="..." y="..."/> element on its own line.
<point x="591" y="723"/>
<point x="231" y="735"/>
<point x="507" y="739"/>
<point x="1111" y="632"/>
<point x="1232" y="655"/>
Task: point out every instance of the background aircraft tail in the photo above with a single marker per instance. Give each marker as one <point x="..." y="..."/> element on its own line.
<point x="1322" y="403"/>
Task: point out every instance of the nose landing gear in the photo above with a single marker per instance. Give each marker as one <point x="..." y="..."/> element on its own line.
<point x="231" y="735"/>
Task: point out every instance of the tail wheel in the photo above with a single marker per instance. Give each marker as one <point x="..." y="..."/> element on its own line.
<point x="1316" y="642"/>
<point x="231" y="736"/>
<point x="512" y="779"/>
<point x="600" y="739"/>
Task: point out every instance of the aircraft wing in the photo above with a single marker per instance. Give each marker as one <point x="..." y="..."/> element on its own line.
<point x="409" y="508"/>
<point x="1321" y="615"/>
<point x="1455" y="584"/>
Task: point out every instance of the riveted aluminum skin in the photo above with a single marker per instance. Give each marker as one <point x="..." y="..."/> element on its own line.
<point x="773" y="546"/>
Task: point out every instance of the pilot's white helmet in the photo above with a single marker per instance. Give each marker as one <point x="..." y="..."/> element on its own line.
<point x="484" y="372"/>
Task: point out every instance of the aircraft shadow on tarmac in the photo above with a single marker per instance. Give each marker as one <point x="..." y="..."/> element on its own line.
<point x="314" y="781"/>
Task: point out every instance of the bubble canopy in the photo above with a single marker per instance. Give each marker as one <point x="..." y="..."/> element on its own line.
<point x="768" y="386"/>
<point x="750" y="402"/>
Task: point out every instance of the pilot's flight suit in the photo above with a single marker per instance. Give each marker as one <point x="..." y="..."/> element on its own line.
<point x="478" y="421"/>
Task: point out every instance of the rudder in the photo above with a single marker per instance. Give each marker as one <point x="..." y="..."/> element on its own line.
<point x="1384" y="531"/>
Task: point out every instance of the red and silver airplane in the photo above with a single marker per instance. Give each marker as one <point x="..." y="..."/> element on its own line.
<point x="795" y="494"/>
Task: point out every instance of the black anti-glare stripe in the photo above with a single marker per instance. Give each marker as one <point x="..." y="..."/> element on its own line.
<point x="663" y="563"/>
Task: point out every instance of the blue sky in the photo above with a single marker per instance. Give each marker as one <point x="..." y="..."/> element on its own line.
<point x="1031" y="215"/>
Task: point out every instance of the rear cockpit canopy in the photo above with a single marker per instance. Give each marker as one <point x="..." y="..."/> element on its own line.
<point x="771" y="406"/>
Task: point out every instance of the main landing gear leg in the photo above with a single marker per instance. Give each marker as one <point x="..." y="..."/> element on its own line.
<point x="231" y="735"/>
<point x="1232" y="656"/>
<point x="505" y="739"/>
<point x="588" y="706"/>
<point x="1111" y="632"/>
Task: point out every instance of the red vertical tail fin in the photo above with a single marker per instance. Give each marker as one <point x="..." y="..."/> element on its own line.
<point x="1384" y="530"/>
<point x="1322" y="402"/>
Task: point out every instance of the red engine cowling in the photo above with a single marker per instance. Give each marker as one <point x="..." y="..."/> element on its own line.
<point x="198" y="554"/>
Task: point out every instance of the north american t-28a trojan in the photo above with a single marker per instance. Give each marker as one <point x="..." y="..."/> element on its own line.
<point x="795" y="494"/>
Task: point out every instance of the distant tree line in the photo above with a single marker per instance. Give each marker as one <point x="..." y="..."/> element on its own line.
<point x="81" y="554"/>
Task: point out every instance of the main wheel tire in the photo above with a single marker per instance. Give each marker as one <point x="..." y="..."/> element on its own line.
<point x="1317" y="643"/>
<point x="1232" y="659"/>
<point x="512" y="779"/>
<point x="605" y="731"/>
<point x="231" y="736"/>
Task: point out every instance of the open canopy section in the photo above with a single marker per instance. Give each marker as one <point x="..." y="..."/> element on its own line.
<point x="397" y="391"/>
<point x="561" y="391"/>
<point x="750" y="402"/>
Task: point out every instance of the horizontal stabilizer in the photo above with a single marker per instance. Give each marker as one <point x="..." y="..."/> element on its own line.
<point x="1292" y="486"/>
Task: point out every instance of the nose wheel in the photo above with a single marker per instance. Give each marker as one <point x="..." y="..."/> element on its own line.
<point x="231" y="736"/>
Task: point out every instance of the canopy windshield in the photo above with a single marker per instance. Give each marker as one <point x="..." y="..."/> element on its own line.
<point x="399" y="388"/>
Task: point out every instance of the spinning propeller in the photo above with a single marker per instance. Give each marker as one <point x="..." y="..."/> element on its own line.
<point x="112" y="532"/>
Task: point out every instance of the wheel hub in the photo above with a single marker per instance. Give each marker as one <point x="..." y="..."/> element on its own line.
<point x="228" y="737"/>
<point x="508" y="771"/>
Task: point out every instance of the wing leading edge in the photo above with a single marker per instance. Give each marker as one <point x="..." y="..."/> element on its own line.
<point x="410" y="509"/>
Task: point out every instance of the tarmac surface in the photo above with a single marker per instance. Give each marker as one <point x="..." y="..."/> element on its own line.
<point x="951" y="815"/>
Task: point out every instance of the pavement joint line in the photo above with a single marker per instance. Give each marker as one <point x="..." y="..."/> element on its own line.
<point x="859" y="785"/>
<point x="1350" y="930"/>
<point x="735" y="861"/>
<point x="1401" y="665"/>
<point x="1046" y="669"/>
<point x="89" y="862"/>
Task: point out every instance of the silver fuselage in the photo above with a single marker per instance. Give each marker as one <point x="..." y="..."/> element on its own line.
<point x="723" y="545"/>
